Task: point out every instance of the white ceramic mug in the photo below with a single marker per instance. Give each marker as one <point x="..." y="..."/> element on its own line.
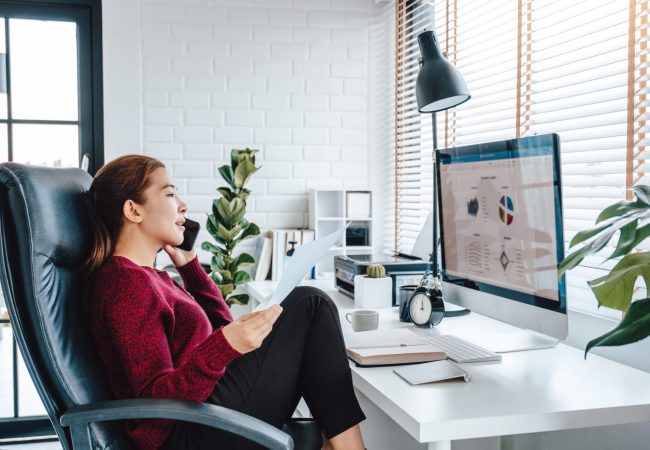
<point x="363" y="319"/>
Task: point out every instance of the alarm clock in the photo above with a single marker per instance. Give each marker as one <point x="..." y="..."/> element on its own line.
<point x="424" y="307"/>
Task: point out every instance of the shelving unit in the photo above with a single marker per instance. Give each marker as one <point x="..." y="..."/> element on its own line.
<point x="328" y="213"/>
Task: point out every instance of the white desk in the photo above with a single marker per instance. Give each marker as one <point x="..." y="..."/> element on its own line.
<point x="527" y="392"/>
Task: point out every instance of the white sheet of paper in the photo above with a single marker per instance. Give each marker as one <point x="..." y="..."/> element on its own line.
<point x="303" y="259"/>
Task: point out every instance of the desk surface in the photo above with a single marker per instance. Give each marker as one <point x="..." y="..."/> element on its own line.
<point x="531" y="391"/>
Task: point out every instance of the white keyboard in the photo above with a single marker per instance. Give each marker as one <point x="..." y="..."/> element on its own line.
<point x="461" y="351"/>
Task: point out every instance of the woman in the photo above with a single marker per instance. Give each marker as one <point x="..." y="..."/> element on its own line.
<point x="157" y="339"/>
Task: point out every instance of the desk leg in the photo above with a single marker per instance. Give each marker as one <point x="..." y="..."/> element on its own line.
<point x="440" y="445"/>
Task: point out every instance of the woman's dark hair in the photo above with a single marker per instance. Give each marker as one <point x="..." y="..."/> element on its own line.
<point x="124" y="178"/>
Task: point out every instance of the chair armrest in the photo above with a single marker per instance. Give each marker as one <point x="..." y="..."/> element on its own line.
<point x="202" y="413"/>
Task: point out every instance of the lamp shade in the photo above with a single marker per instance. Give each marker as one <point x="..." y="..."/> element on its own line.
<point x="439" y="85"/>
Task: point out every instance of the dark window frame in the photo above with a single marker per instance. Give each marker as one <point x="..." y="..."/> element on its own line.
<point x="88" y="16"/>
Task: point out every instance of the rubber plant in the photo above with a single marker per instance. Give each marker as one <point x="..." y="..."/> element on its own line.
<point x="228" y="227"/>
<point x="631" y="219"/>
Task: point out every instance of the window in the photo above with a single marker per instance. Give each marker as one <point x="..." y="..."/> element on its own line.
<point x="533" y="67"/>
<point x="50" y="114"/>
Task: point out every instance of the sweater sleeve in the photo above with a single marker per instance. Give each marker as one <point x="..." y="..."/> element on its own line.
<point x="205" y="292"/>
<point x="134" y="318"/>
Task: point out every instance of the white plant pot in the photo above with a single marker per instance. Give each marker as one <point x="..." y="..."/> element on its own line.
<point x="373" y="292"/>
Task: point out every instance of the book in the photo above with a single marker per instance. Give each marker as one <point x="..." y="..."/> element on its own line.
<point x="263" y="250"/>
<point x="389" y="347"/>
<point x="280" y="245"/>
<point x="433" y="371"/>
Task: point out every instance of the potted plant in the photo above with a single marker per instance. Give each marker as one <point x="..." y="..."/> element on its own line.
<point x="227" y="225"/>
<point x="631" y="219"/>
<point x="374" y="289"/>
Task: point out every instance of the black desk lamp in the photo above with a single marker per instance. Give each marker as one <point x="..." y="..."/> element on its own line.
<point x="439" y="86"/>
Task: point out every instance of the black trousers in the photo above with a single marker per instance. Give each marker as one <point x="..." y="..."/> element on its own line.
<point x="303" y="356"/>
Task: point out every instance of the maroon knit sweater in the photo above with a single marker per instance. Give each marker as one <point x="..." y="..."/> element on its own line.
<point x="158" y="340"/>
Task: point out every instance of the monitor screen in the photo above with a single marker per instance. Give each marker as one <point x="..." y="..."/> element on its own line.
<point x="501" y="219"/>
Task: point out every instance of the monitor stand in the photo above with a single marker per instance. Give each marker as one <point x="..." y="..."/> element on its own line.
<point x="517" y="341"/>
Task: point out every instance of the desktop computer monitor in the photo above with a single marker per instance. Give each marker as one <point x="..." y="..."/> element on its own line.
<point x="501" y="232"/>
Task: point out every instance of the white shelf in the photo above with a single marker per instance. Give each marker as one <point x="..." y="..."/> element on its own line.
<point x="332" y="219"/>
<point x="327" y="213"/>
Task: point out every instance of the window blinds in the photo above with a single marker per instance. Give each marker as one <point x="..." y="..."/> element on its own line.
<point x="578" y="69"/>
<point x="413" y="134"/>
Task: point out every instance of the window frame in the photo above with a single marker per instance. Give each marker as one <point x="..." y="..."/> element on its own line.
<point x="88" y="17"/>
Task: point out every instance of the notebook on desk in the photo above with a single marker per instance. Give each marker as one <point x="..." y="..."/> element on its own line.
<point x="389" y="347"/>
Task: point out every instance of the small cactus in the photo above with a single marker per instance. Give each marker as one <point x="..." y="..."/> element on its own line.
<point x="376" y="271"/>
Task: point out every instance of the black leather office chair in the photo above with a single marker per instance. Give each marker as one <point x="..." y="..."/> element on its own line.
<point x="44" y="237"/>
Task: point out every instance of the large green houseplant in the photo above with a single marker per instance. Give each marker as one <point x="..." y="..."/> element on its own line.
<point x="631" y="219"/>
<point x="227" y="225"/>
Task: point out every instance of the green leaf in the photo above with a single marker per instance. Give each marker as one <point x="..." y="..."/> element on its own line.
<point x="621" y="209"/>
<point x="243" y="173"/>
<point x="215" y="233"/>
<point x="223" y="207"/>
<point x="584" y="235"/>
<point x="227" y="175"/>
<point x="615" y="289"/>
<point x="642" y="193"/>
<point x="634" y="327"/>
<point x="640" y="235"/>
<point x="226" y="275"/>
<point x="251" y="231"/>
<point x="625" y="240"/>
<point x="216" y="276"/>
<point x="226" y="289"/>
<point x="241" y="277"/>
<point x="576" y="257"/>
<point x="238" y="209"/>
<point x="210" y="247"/>
<point x="217" y="263"/>
<point x="225" y="192"/>
<point x="238" y="299"/>
<point x="244" y="259"/>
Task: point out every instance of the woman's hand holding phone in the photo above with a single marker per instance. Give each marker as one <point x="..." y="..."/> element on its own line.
<point x="249" y="331"/>
<point x="179" y="257"/>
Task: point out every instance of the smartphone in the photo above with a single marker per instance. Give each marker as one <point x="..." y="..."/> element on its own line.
<point x="189" y="235"/>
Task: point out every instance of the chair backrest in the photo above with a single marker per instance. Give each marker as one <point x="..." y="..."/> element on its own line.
<point x="44" y="238"/>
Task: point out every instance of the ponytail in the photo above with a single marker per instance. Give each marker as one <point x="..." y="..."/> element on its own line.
<point x="102" y="241"/>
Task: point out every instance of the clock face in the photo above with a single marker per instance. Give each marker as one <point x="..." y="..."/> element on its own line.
<point x="420" y="309"/>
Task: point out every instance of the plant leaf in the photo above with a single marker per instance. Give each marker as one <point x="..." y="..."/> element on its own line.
<point x="212" y="229"/>
<point x="576" y="257"/>
<point x="640" y="235"/>
<point x="634" y="327"/>
<point x="210" y="247"/>
<point x="241" y="277"/>
<point x="642" y="193"/>
<point x="625" y="240"/>
<point x="243" y="173"/>
<point x="225" y="192"/>
<point x="251" y="231"/>
<point x="244" y="259"/>
<point x="227" y="175"/>
<point x="223" y="206"/>
<point x="586" y="234"/>
<point x="226" y="289"/>
<point x="239" y="299"/>
<point x="615" y="289"/>
<point x="237" y="210"/>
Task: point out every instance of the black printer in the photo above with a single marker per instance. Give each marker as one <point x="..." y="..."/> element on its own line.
<point x="402" y="270"/>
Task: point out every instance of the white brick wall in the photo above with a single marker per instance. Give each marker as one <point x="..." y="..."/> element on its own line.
<point x="287" y="77"/>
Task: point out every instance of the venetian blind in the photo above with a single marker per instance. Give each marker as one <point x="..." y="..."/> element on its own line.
<point x="578" y="69"/>
<point x="413" y="144"/>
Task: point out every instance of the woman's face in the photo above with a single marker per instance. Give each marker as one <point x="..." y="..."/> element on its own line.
<point x="163" y="212"/>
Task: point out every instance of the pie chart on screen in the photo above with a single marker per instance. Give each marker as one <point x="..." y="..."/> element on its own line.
<point x="506" y="209"/>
